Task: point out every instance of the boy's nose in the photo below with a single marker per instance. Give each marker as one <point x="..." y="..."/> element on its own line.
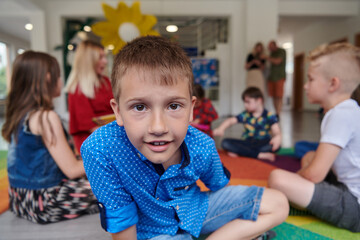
<point x="158" y="124"/>
<point x="306" y="85"/>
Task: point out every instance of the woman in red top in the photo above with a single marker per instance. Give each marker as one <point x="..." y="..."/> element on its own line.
<point x="204" y="112"/>
<point x="89" y="92"/>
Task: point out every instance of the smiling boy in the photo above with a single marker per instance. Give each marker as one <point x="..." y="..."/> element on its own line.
<point x="143" y="167"/>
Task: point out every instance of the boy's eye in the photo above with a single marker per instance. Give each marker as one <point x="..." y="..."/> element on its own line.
<point x="174" y="106"/>
<point x="139" y="107"/>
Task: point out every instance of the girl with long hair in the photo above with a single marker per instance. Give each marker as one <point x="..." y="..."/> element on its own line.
<point x="89" y="91"/>
<point x="46" y="179"/>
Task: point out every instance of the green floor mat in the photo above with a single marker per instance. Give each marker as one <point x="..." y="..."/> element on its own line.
<point x="286" y="231"/>
<point x="286" y="151"/>
<point x="331" y="231"/>
<point x="3" y="155"/>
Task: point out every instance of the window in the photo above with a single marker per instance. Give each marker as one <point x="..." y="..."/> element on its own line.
<point x="4" y="69"/>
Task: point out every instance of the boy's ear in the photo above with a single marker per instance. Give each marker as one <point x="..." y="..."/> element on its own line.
<point x="334" y="84"/>
<point x="115" y="107"/>
<point x="193" y="101"/>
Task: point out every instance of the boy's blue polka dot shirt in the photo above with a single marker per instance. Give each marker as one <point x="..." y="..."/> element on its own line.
<point x="132" y="190"/>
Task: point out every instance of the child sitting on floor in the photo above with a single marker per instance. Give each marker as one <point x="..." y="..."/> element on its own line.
<point x="334" y="73"/>
<point x="262" y="135"/>
<point x="204" y="112"/>
<point x="143" y="167"/>
<point x="47" y="181"/>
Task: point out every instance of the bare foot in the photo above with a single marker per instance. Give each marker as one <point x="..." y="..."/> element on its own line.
<point x="267" y="156"/>
<point x="231" y="154"/>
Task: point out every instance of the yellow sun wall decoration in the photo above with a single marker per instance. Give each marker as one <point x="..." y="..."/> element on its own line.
<point x="123" y="25"/>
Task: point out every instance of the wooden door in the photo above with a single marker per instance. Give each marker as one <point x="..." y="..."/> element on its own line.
<point x="357" y="40"/>
<point x="298" y="83"/>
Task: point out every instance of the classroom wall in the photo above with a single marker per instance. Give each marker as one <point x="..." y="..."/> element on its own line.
<point x="239" y="12"/>
<point x="325" y="32"/>
<point x="249" y="21"/>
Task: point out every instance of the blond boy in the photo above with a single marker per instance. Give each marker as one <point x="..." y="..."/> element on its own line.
<point x="143" y="167"/>
<point x="333" y="74"/>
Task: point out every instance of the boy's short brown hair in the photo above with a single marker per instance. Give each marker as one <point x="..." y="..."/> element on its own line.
<point x="252" y="92"/>
<point x="342" y="61"/>
<point x="161" y="59"/>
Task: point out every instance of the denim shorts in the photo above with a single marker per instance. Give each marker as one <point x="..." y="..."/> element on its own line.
<point x="336" y="204"/>
<point x="225" y="205"/>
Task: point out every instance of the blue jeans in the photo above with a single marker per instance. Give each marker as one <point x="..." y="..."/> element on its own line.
<point x="247" y="148"/>
<point x="225" y="205"/>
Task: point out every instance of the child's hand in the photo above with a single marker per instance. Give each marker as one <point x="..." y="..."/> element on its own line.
<point x="218" y="132"/>
<point x="275" y="142"/>
<point x="195" y="121"/>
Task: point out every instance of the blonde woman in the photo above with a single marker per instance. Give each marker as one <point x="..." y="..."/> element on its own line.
<point x="255" y="64"/>
<point x="89" y="91"/>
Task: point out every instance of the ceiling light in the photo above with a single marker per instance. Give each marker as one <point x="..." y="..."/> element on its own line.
<point x="171" y="28"/>
<point x="110" y="47"/>
<point x="70" y="47"/>
<point x="28" y="26"/>
<point x="87" y="28"/>
<point x="20" y="51"/>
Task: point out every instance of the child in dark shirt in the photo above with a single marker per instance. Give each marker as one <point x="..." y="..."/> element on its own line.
<point x="262" y="136"/>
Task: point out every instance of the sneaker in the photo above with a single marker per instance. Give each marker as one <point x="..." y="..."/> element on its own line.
<point x="266" y="235"/>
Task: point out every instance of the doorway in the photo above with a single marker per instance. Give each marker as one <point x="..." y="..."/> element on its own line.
<point x="298" y="82"/>
<point x="357" y="40"/>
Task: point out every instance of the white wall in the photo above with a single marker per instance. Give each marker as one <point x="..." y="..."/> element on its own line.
<point x="235" y="10"/>
<point x="317" y="34"/>
<point x="246" y="26"/>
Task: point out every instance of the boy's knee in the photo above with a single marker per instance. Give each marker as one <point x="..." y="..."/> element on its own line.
<point x="277" y="198"/>
<point x="276" y="203"/>
<point x="275" y="179"/>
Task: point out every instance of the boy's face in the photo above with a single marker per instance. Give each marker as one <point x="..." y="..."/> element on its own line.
<point x="155" y="117"/>
<point x="317" y="85"/>
<point x="252" y="104"/>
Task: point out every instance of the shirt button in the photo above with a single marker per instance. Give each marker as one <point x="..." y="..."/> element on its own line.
<point x="177" y="207"/>
<point x="139" y="155"/>
<point x="157" y="198"/>
<point x="187" y="187"/>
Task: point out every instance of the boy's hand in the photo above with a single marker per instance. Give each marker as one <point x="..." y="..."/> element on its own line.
<point x="275" y="142"/>
<point x="195" y="121"/>
<point x="218" y="132"/>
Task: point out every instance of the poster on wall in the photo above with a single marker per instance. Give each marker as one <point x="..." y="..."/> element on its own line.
<point x="206" y="72"/>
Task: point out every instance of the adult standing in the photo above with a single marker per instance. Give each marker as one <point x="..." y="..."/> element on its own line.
<point x="255" y="64"/>
<point x="89" y="91"/>
<point x="277" y="75"/>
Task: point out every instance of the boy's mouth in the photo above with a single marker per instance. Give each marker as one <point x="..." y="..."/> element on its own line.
<point x="158" y="146"/>
<point x="158" y="143"/>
